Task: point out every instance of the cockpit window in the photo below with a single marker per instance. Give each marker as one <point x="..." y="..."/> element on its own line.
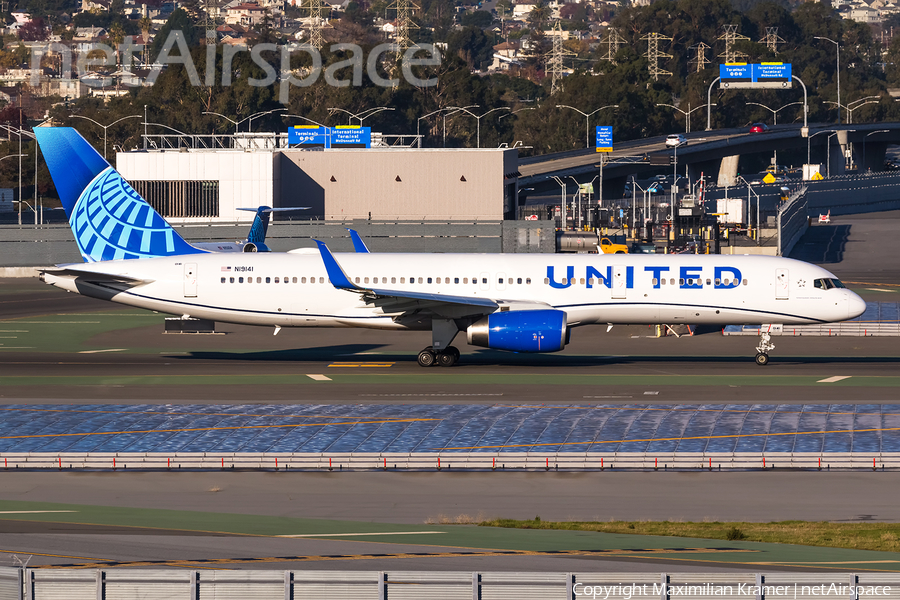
<point x="827" y="284"/>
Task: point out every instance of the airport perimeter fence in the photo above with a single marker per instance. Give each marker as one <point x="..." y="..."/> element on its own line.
<point x="45" y="245"/>
<point x="792" y="221"/>
<point x="447" y="461"/>
<point x="51" y="583"/>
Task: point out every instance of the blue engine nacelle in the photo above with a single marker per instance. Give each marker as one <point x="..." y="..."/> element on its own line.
<point x="521" y="331"/>
<point x="255" y="247"/>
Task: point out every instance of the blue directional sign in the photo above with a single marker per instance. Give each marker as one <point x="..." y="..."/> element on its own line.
<point x="763" y="75"/>
<point x="604" y="138"/>
<point x="308" y="135"/>
<point x="351" y="136"/>
<point x="772" y="71"/>
<point x="330" y="137"/>
<point x="736" y="71"/>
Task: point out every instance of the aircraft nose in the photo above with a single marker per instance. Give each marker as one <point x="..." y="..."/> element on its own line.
<point x="855" y="305"/>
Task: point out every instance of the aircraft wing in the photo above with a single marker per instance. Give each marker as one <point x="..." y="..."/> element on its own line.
<point x="404" y="300"/>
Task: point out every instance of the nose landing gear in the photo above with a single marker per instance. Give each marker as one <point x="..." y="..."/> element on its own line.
<point x="763" y="349"/>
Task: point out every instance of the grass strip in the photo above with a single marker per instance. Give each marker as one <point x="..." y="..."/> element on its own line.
<point x="884" y="537"/>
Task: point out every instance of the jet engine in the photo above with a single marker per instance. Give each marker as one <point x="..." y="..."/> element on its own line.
<point x="521" y="331"/>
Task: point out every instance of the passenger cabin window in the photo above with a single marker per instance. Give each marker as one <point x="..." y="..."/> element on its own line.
<point x="223" y="280"/>
<point x="232" y="279"/>
<point x="393" y="280"/>
<point x="240" y="280"/>
<point x="519" y="280"/>
<point x="268" y="280"/>
<point x="655" y="281"/>
<point x="528" y="281"/>
<point x="420" y="280"/>
<point x="456" y="280"/>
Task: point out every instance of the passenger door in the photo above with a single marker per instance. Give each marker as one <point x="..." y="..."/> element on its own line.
<point x="620" y="281"/>
<point x="782" y="284"/>
<point x="190" y="280"/>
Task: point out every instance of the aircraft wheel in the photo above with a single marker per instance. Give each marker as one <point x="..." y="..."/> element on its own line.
<point x="426" y="358"/>
<point x="762" y="359"/>
<point x="447" y="358"/>
<point x="455" y="352"/>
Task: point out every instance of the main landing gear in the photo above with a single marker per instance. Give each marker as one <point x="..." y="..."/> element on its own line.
<point x="762" y="350"/>
<point x="440" y="352"/>
<point x="446" y="358"/>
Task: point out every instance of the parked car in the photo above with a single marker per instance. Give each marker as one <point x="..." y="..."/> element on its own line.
<point x="638" y="248"/>
<point x="675" y="140"/>
<point x="759" y="128"/>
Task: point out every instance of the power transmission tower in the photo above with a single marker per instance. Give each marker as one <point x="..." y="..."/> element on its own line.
<point x="772" y="40"/>
<point x="316" y="24"/>
<point x="405" y="24"/>
<point x="653" y="54"/>
<point x="555" y="67"/>
<point x="209" y="21"/>
<point x="612" y="42"/>
<point x="699" y="62"/>
<point x="731" y="36"/>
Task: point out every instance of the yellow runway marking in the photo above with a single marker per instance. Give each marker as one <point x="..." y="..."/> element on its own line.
<point x="460" y="554"/>
<point x="330" y="535"/>
<point x="32" y="512"/>
<point x="52" y="555"/>
<point x="174" y="414"/>
<point x="672" y="439"/>
<point x="362" y="422"/>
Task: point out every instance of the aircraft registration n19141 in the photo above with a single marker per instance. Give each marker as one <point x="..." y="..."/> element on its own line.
<point x="514" y="302"/>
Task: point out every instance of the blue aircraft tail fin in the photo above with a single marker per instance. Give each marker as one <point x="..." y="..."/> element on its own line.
<point x="110" y="221"/>
<point x="260" y="225"/>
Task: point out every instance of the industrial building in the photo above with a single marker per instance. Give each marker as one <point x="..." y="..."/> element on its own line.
<point x="196" y="184"/>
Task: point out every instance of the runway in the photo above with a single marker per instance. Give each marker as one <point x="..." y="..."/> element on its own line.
<point x="60" y="349"/>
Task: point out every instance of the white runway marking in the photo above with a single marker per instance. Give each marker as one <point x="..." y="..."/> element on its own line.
<point x="99" y="351"/>
<point x="603" y="397"/>
<point x="834" y="379"/>
<point x="879" y="290"/>
<point x="651" y="393"/>
<point x="318" y="377"/>
<point x="309" y="535"/>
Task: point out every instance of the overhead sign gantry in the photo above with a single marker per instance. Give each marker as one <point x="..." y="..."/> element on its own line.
<point x="755" y="76"/>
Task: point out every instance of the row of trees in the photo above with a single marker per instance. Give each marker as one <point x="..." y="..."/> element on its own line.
<point x="531" y="115"/>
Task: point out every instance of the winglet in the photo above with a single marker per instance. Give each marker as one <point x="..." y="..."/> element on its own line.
<point x="336" y="274"/>
<point x="359" y="245"/>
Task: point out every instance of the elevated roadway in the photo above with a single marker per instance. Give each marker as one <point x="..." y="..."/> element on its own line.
<point x="706" y="150"/>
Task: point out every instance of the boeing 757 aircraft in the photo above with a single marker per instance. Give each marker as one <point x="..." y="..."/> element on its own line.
<point x="515" y="302"/>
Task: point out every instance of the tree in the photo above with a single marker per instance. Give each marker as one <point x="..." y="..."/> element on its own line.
<point x="478" y="18"/>
<point x="34" y="31"/>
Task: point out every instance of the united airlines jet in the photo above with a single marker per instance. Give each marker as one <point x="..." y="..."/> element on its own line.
<point x="514" y="302"/>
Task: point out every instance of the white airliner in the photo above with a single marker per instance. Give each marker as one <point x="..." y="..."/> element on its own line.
<point x="515" y="302"/>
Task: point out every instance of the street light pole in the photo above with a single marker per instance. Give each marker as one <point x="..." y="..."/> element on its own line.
<point x="838" y="73"/>
<point x="687" y="114"/>
<point x="864" y="144"/>
<point x="587" y="120"/>
<point x="562" y="196"/>
<point x="774" y="122"/>
<point x="809" y="139"/>
<point x="105" y="127"/>
<point x="478" y="120"/>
